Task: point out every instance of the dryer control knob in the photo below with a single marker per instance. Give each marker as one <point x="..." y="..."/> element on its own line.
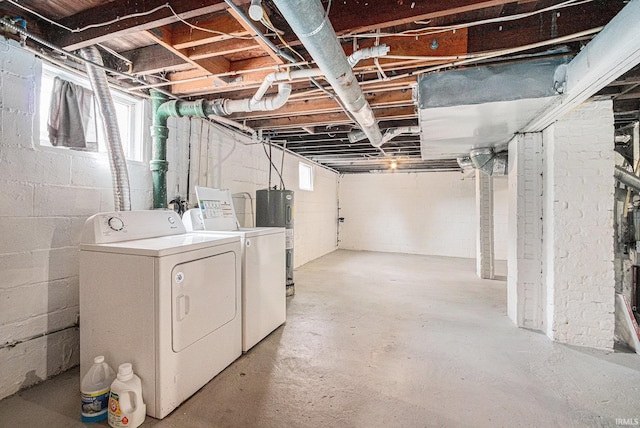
<point x="115" y="223"/>
<point x="171" y="220"/>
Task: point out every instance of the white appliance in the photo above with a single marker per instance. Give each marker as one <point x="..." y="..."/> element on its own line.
<point x="264" y="304"/>
<point x="167" y="301"/>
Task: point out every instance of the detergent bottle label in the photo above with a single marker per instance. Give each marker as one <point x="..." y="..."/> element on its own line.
<point x="116" y="418"/>
<point x="94" y="406"/>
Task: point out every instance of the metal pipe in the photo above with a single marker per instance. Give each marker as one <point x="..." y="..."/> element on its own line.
<point x="214" y="110"/>
<point x="308" y="20"/>
<point x="627" y="178"/>
<point x="158" y="163"/>
<point x="117" y="160"/>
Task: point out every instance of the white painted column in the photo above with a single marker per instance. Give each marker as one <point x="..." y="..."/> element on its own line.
<point x="525" y="293"/>
<point x="484" y="230"/>
<point x="578" y="190"/>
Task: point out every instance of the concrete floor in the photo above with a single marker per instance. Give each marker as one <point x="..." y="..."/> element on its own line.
<point x="389" y="340"/>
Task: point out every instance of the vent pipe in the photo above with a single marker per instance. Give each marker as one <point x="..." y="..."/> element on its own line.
<point x="627" y="178"/>
<point x="486" y="160"/>
<point x="310" y="23"/>
<point x="117" y="161"/>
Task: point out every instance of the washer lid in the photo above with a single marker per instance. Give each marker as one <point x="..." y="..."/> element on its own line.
<point x="163" y="246"/>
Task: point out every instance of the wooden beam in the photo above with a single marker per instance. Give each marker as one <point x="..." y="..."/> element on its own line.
<point x="154" y="59"/>
<point x="349" y="16"/>
<point x="252" y="79"/>
<point x="266" y="48"/>
<point x="222" y="48"/>
<point x="328" y="119"/>
<point x="208" y="65"/>
<point x="544" y="26"/>
<point x="187" y="37"/>
<point x="302" y="106"/>
<point x="113" y="10"/>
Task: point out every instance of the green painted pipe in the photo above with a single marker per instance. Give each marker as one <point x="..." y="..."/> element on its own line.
<point x="162" y="110"/>
<point x="158" y="163"/>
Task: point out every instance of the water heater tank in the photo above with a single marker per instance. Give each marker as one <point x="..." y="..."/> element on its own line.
<point x="274" y="208"/>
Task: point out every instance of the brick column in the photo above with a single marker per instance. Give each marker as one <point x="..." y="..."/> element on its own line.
<point x="525" y="293"/>
<point x="578" y="226"/>
<point x="484" y="231"/>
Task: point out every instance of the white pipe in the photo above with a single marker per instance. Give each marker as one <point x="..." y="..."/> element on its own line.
<point x="226" y="106"/>
<point x="289" y="75"/>
<point x="366" y="53"/>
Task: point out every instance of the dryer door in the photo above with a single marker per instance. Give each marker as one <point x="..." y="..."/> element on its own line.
<point x="203" y="296"/>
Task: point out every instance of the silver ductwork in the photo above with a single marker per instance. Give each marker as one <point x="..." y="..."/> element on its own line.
<point x="627" y="178"/>
<point x="309" y="21"/>
<point x="117" y="160"/>
<point x="389" y="134"/>
<point x="486" y="160"/>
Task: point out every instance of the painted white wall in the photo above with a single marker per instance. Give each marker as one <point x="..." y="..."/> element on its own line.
<point x="418" y="213"/>
<point x="48" y="193"/>
<point x="578" y="185"/>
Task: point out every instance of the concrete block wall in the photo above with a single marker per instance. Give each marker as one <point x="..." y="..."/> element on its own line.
<point x="484" y="226"/>
<point x="47" y="193"/>
<point x="578" y="226"/>
<point x="429" y="213"/>
<point x="525" y="291"/>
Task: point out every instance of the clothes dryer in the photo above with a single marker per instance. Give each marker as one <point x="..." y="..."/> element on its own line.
<point x="167" y="301"/>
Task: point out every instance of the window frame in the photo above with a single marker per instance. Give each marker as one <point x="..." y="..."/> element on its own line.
<point x="133" y="143"/>
<point x="304" y="184"/>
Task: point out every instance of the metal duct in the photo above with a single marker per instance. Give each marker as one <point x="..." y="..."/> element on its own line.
<point x="627" y="178"/>
<point x="309" y="21"/>
<point x="390" y="133"/>
<point x="488" y="161"/>
<point x="117" y="161"/>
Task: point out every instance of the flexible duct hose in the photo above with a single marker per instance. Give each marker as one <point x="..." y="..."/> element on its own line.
<point x="120" y="176"/>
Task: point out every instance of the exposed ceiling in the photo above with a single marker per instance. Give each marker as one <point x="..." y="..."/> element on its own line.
<point x="205" y="49"/>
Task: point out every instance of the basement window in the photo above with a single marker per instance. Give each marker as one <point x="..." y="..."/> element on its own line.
<point x="305" y="176"/>
<point x="129" y="111"/>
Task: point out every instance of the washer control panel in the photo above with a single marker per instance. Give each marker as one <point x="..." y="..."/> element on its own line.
<point x="128" y="225"/>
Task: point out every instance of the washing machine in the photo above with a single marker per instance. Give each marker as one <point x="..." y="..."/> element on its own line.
<point x="165" y="300"/>
<point x="264" y="305"/>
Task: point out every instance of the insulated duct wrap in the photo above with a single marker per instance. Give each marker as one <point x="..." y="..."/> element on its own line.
<point x="117" y="160"/>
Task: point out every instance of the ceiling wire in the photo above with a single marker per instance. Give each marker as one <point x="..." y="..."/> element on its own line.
<point x="441" y="29"/>
<point x="122" y="18"/>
